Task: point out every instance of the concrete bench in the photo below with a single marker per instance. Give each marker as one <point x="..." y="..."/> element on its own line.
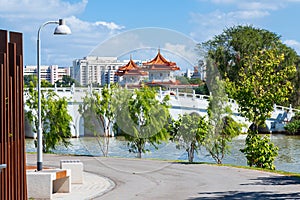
<point x="76" y="168"/>
<point x="42" y="184"/>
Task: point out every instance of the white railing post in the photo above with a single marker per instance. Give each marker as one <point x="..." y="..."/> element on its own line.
<point x="194" y="95"/>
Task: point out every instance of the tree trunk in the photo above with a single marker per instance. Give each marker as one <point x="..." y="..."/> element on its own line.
<point x="139" y="154"/>
<point x="191" y="151"/>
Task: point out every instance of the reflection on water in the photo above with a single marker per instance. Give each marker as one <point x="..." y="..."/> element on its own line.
<point x="287" y="160"/>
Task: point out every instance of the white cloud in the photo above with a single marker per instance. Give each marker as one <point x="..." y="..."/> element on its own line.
<point x="184" y="51"/>
<point x="293" y="44"/>
<point x="208" y="25"/>
<point x="259" y="5"/>
<point x="85" y="37"/>
<point x="41" y="9"/>
<point x="109" y="25"/>
<point x="248" y="14"/>
<point x="241" y="12"/>
<point x="27" y="16"/>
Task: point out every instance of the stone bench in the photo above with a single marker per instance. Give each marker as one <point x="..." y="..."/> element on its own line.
<point x="76" y="168"/>
<point x="42" y="184"/>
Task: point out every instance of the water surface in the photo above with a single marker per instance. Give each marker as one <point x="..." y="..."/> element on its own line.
<point x="287" y="160"/>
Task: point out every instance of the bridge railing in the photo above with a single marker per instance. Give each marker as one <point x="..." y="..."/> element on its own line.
<point x="174" y="93"/>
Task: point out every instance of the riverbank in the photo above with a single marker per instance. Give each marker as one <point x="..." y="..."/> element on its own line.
<point x="287" y="160"/>
<point x="153" y="179"/>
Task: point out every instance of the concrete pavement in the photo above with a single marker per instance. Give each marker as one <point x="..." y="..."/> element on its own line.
<point x="152" y="179"/>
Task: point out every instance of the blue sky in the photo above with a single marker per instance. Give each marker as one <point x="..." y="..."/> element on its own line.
<point x="93" y="22"/>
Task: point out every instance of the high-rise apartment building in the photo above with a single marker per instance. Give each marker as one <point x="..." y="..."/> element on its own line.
<point x="96" y="70"/>
<point x="50" y="73"/>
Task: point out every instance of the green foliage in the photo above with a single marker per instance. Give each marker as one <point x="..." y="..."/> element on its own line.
<point x="28" y="79"/>
<point x="56" y="127"/>
<point x="259" y="151"/>
<point x="295" y="96"/>
<point x="182" y="80"/>
<point x="202" y="89"/>
<point x="45" y="83"/>
<point x="293" y="126"/>
<point x="197" y="81"/>
<point x="259" y="70"/>
<point x="236" y="44"/>
<point x="262" y="82"/>
<point x="66" y="81"/>
<point x="189" y="133"/>
<point x="98" y="110"/>
<point x="221" y="127"/>
<point x="54" y="116"/>
<point x="142" y="118"/>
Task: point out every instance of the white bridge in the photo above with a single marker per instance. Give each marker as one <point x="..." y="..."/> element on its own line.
<point x="181" y="103"/>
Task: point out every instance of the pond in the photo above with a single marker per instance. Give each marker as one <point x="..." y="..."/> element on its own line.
<point x="287" y="160"/>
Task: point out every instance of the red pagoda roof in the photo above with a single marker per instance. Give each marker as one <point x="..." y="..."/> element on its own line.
<point x="160" y="63"/>
<point x="130" y="69"/>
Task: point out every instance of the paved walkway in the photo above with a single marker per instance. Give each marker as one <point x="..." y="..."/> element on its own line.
<point x="151" y="179"/>
<point x="92" y="187"/>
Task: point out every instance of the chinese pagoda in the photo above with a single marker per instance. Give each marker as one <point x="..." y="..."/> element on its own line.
<point x="131" y="74"/>
<point x="161" y="71"/>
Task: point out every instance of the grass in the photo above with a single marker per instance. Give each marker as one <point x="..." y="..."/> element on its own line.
<point x="265" y="170"/>
<point x="293" y="174"/>
<point x="243" y="167"/>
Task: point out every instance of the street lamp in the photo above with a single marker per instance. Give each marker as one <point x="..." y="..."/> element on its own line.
<point x="61" y="29"/>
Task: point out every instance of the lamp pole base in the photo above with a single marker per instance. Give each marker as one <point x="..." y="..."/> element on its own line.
<point x="39" y="166"/>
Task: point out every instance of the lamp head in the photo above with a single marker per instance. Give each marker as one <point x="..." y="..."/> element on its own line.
<point x="62" y="28"/>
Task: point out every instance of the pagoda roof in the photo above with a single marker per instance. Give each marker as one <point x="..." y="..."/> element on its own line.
<point x="161" y="63"/>
<point x="131" y="68"/>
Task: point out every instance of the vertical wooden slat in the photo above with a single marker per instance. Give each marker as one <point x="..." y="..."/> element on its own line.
<point x="4" y="50"/>
<point x="12" y="115"/>
<point x="2" y="111"/>
<point x="21" y="159"/>
<point x="12" y="135"/>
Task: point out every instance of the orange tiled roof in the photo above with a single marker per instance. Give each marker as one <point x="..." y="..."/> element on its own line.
<point x="130" y="69"/>
<point x="160" y="63"/>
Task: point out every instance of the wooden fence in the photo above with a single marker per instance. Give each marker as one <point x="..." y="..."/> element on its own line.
<point x="12" y="137"/>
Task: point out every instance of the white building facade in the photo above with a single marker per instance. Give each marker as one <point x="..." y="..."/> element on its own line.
<point x="51" y="73"/>
<point x="96" y="70"/>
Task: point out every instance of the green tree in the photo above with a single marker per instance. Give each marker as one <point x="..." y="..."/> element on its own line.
<point x="260" y="151"/>
<point x="202" y="89"/>
<point x="66" y="81"/>
<point x="54" y="116"/>
<point x="99" y="111"/>
<point x="142" y="118"/>
<point x="28" y="79"/>
<point x="45" y="83"/>
<point x="295" y="96"/>
<point x="189" y="132"/>
<point x="293" y="127"/>
<point x="231" y="49"/>
<point x="262" y="82"/>
<point x="221" y="126"/>
<point x="182" y="79"/>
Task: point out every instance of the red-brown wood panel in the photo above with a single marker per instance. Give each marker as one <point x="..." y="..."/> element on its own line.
<point x="12" y="136"/>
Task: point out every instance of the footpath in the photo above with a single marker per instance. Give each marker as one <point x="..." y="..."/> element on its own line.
<point x="135" y="179"/>
<point x="93" y="185"/>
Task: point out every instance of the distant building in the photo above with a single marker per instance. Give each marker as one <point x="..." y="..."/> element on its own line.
<point x="96" y="70"/>
<point x="161" y="71"/>
<point x="50" y="73"/>
<point x="200" y="71"/>
<point x="189" y="73"/>
<point x="131" y="74"/>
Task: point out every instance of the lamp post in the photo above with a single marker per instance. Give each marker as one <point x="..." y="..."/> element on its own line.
<point x="61" y="29"/>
